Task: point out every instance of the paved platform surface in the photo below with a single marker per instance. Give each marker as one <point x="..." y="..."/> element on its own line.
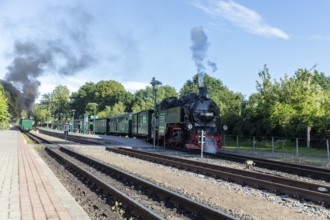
<point x="28" y="188"/>
<point x="120" y="141"/>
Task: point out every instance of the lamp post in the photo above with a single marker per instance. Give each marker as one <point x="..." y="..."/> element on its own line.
<point x="73" y="111"/>
<point x="53" y="122"/>
<point x="61" y="115"/>
<point x="154" y="84"/>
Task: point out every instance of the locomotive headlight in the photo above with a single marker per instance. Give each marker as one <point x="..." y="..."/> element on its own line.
<point x="207" y="114"/>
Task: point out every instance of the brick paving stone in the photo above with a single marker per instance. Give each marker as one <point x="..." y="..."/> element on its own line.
<point x="27" y="185"/>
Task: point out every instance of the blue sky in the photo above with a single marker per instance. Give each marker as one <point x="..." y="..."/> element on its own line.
<point x="131" y="41"/>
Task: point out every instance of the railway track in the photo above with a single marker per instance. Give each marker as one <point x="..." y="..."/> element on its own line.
<point x="302" y="190"/>
<point x="154" y="202"/>
<point x="297" y="169"/>
<point x="316" y="193"/>
<point x="302" y="170"/>
<point x="129" y="195"/>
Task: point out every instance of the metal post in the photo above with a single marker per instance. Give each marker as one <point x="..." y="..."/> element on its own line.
<point x="328" y="150"/>
<point x="254" y="143"/>
<point x="237" y="145"/>
<point x="155" y="123"/>
<point x="202" y="143"/>
<point x="94" y="119"/>
<point x="73" y="111"/>
<point x="297" y="149"/>
<point x="154" y="83"/>
<point x="273" y="146"/>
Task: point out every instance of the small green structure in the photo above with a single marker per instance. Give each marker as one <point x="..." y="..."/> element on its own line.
<point x="25" y="124"/>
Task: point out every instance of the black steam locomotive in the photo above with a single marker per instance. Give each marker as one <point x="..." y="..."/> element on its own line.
<point x="186" y="118"/>
<point x="179" y="123"/>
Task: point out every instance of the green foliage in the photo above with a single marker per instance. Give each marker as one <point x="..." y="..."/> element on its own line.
<point x="12" y="96"/>
<point x="91" y="108"/>
<point x="118" y="108"/>
<point x="4" y="114"/>
<point x="286" y="107"/>
<point x="144" y="98"/>
<point x="40" y="114"/>
<point x="290" y="106"/>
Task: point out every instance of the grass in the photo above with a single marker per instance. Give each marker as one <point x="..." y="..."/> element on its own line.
<point x="28" y="140"/>
<point x="39" y="148"/>
<point x="280" y="146"/>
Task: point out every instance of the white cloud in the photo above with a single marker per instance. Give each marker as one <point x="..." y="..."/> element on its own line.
<point x="319" y="37"/>
<point x="240" y="16"/>
<point x="134" y="86"/>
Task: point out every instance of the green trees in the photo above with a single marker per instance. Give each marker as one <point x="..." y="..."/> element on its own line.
<point x="12" y="96"/>
<point x="301" y="103"/>
<point x="4" y="114"/>
<point x="104" y="93"/>
<point x="291" y="107"/>
<point x="144" y="98"/>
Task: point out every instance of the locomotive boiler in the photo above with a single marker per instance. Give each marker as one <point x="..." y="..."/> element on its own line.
<point x="185" y="118"/>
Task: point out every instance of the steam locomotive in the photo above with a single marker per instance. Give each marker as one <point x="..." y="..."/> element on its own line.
<point x="183" y="122"/>
<point x="188" y="118"/>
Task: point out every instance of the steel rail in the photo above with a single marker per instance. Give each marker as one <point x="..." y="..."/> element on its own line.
<point x="137" y="208"/>
<point x="191" y="205"/>
<point x="290" y="187"/>
<point x="303" y="170"/>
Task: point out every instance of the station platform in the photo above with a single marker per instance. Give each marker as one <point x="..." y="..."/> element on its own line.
<point x="119" y="141"/>
<point x="28" y="188"/>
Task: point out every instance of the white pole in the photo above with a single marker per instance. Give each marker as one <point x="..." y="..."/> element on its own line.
<point x="202" y="143"/>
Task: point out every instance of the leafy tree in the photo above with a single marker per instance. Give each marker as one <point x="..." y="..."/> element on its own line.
<point x="47" y="104"/>
<point x="60" y="99"/>
<point x="91" y="108"/>
<point x="104" y="93"/>
<point x="301" y="104"/>
<point x="40" y="114"/>
<point x="12" y="95"/>
<point x="82" y="97"/>
<point x="266" y="98"/>
<point x="118" y="108"/>
<point x="4" y="114"/>
<point x="105" y="113"/>
<point x="109" y="93"/>
<point x="144" y="98"/>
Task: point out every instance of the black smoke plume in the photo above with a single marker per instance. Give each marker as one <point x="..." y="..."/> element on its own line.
<point x="35" y="58"/>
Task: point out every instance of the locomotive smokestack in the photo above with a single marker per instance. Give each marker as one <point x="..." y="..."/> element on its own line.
<point x="202" y="88"/>
<point x="201" y="79"/>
